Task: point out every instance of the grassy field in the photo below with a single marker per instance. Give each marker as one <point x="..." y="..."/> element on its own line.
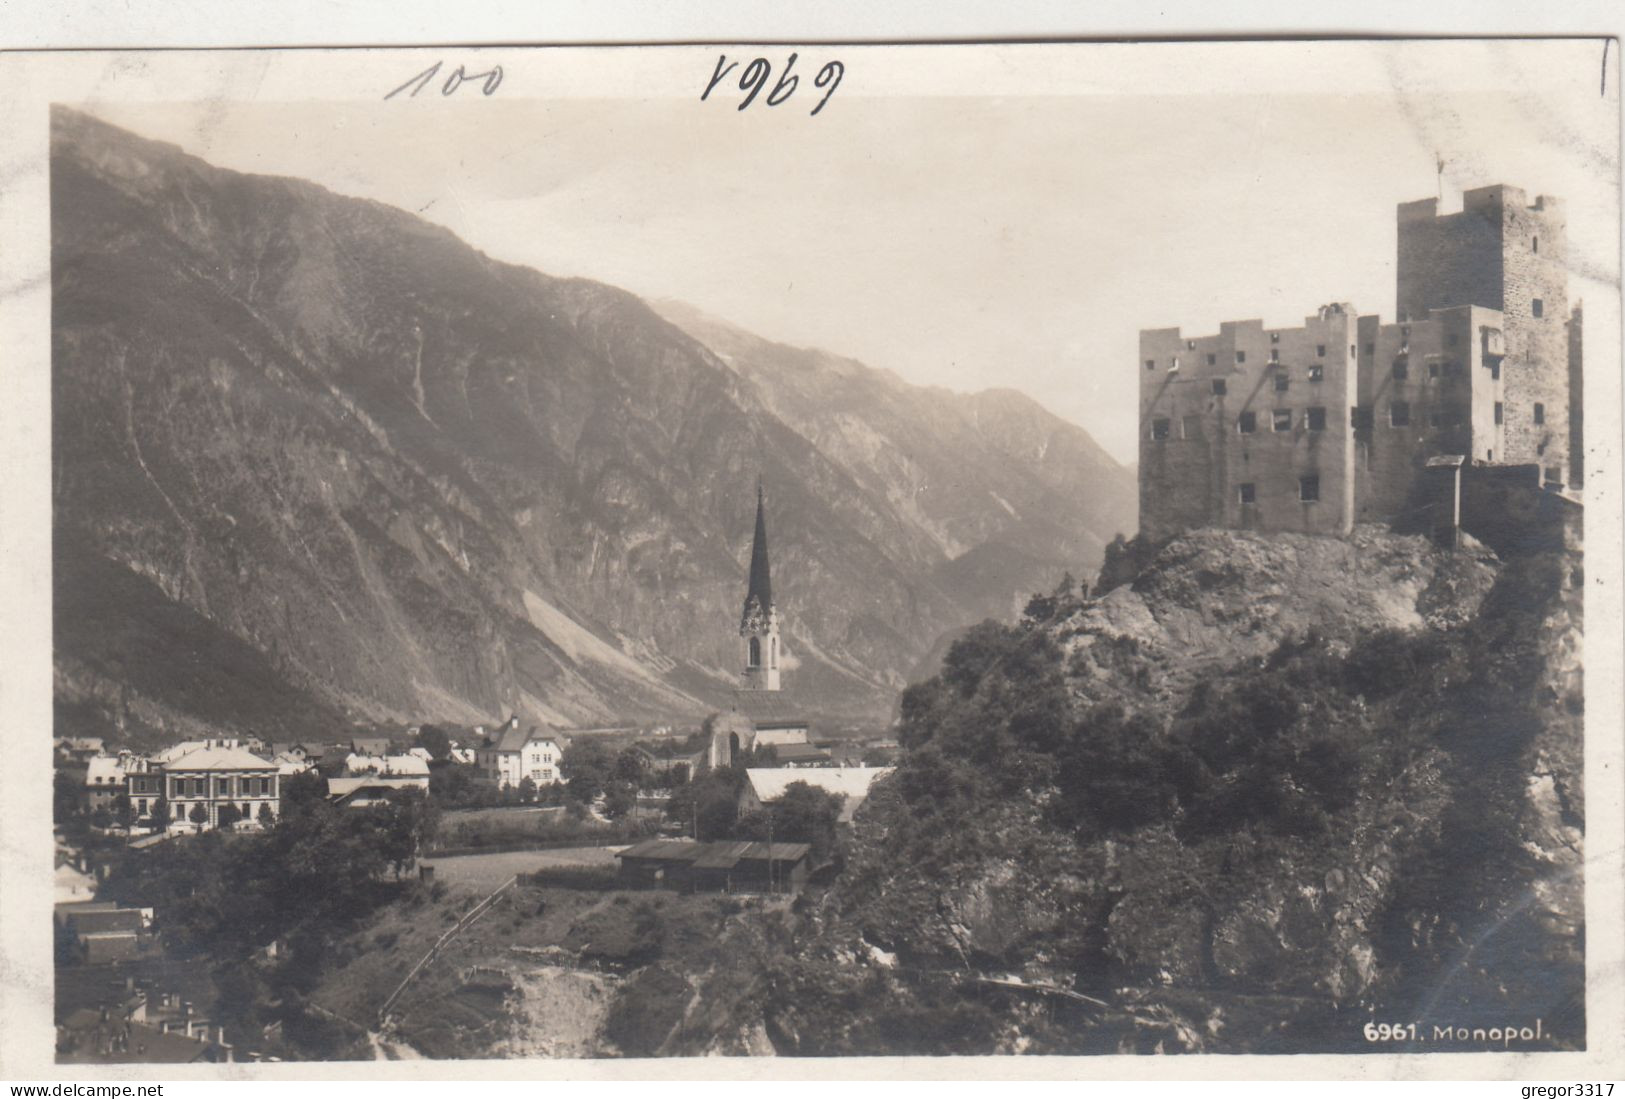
<point x="486" y="872"/>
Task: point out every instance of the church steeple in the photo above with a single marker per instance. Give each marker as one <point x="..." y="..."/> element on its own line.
<point x="759" y="622"/>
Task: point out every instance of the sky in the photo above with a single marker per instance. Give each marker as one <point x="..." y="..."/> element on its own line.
<point x="973" y="240"/>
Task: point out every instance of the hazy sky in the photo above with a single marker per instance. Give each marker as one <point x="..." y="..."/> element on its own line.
<point x="972" y="241"/>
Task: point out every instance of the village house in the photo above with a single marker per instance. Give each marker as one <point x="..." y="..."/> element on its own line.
<point x="726" y="866"/>
<point x="513" y="755"/>
<point x="104" y="782"/>
<point x="212" y="778"/>
<point x="144" y="785"/>
<point x="851" y="784"/>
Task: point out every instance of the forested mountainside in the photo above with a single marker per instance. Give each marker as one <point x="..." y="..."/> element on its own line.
<point x="315" y="459"/>
<point x="1273" y="788"/>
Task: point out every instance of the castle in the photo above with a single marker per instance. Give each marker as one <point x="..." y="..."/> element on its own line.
<point x="1347" y="419"/>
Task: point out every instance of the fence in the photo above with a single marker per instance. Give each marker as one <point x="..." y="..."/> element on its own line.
<point x="462" y="924"/>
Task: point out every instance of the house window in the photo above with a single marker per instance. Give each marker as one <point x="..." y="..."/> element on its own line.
<point x="1247" y="423"/>
<point x="1498" y="412"/>
<point x="1281" y="381"/>
<point x="1317" y="372"/>
<point x="1281" y="419"/>
<point x="1309" y="488"/>
<point x="1151" y="364"/>
<point x="1212" y="359"/>
<point x="1241" y="356"/>
<point x="1359" y="416"/>
<point x="1219" y="387"/>
<point x="1246" y="492"/>
<point x="1402" y="369"/>
<point x="1159" y="430"/>
<point x="1433" y="370"/>
<point x="1320" y="349"/>
<point x="1190" y="427"/>
<point x="1495" y="369"/>
<point x="1537" y="307"/>
<point x="1399" y="414"/>
<point x="1275" y="355"/>
<point x="1540" y="413"/>
<point x="1275" y="337"/>
<point x="1190" y="345"/>
<point x="1316" y="419"/>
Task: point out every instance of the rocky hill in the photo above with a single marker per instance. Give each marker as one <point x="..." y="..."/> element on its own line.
<point x="316" y="454"/>
<point x="1274" y="787"/>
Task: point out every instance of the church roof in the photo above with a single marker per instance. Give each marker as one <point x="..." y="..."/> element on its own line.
<point x="769" y="709"/>
<point x="761" y="581"/>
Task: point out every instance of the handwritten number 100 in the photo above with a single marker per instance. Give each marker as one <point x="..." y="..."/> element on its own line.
<point x="758" y="72"/>
<point x="492" y="78"/>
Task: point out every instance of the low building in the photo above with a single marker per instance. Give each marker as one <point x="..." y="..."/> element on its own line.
<point x="104" y="782"/>
<point x="365" y="791"/>
<point x="800" y="754"/>
<point x="730" y="866"/>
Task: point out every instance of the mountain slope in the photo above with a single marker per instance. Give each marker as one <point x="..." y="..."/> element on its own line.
<point x="426" y="485"/>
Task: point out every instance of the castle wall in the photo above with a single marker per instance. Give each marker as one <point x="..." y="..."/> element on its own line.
<point x="1239" y="428"/>
<point x="1428" y="388"/>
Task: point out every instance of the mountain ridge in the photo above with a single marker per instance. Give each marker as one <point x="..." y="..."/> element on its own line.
<point x="372" y="453"/>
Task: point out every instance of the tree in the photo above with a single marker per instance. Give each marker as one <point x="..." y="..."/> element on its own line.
<point x="66" y="788"/>
<point x="527" y="789"/>
<point x="802" y="814"/>
<point x="630" y="766"/>
<point x="620" y="798"/>
<point x="435" y="741"/>
<point x="267" y="815"/>
<point x="302" y="790"/>
<point x="199" y="815"/>
<point x="123" y="811"/>
<point x="456" y="785"/>
<point x="587" y="767"/>
<point x="159" y="817"/>
<point x="227" y="815"/>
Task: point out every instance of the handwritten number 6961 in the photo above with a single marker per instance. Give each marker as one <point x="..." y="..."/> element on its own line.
<point x="756" y="75"/>
<point x="492" y="79"/>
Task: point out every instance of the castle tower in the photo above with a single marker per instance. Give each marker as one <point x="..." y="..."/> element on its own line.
<point x="1503" y="253"/>
<point x="759" y="623"/>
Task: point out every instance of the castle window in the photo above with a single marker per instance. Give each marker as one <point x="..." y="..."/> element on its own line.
<point x="1190" y="427"/>
<point x="1275" y="337"/>
<point x="1218" y="386"/>
<point x="1241" y="356"/>
<point x="1281" y="419"/>
<point x="1320" y="349"/>
<point x="1537" y="307"/>
<point x="1159" y="430"/>
<point x="1151" y="364"/>
<point x="1402" y="369"/>
<point x="1540" y="413"/>
<point x="1247" y="423"/>
<point x="756" y="642"/>
<point x="1433" y="370"/>
<point x="1498" y="412"/>
<point x="1281" y="381"/>
<point x="1359" y="416"/>
<point x="1315" y="418"/>
<point x="1495" y="368"/>
<point x="1275" y="355"/>
<point x="1212" y="359"/>
<point x="1190" y="345"/>
<point x="1317" y="372"/>
<point x="1399" y="414"/>
<point x="1246" y="492"/>
<point x="1309" y="488"/>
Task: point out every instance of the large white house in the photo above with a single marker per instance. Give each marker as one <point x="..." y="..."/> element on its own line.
<point x="513" y="754"/>
<point x="212" y="778"/>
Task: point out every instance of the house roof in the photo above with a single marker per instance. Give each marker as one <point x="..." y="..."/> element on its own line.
<point x="101" y="770"/>
<point x="791" y="753"/>
<point x="727" y="854"/>
<point x="851" y="783"/>
<point x="770" y="709"/>
<point x="343" y="787"/>
<point x="674" y="850"/>
<point x="514" y="739"/>
<point x="220" y="759"/>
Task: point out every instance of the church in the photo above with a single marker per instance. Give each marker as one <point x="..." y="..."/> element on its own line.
<point x="762" y="712"/>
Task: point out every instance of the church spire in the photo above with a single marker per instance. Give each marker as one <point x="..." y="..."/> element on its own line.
<point x="759" y="622"/>
<point x="761" y="581"/>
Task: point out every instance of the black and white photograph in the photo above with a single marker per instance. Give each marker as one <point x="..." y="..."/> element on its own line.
<point x="1022" y="551"/>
